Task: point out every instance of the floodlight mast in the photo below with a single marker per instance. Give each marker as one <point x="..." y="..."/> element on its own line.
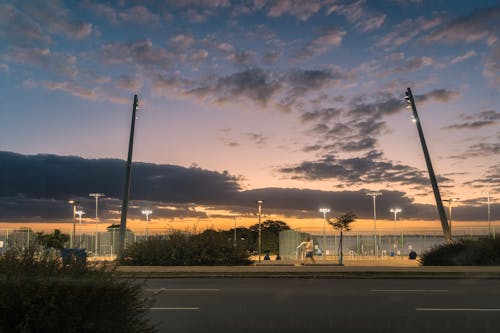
<point x="123" y="221"/>
<point x="439" y="203"/>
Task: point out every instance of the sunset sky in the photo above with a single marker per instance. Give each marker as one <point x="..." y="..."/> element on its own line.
<point x="276" y="99"/>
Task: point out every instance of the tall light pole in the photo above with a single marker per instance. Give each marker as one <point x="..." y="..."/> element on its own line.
<point x="324" y="211"/>
<point x="147" y="212"/>
<point x="395" y="211"/>
<point x="79" y="213"/>
<point x="96" y="196"/>
<point x="449" y="211"/>
<point x="260" y="202"/>
<point x="439" y="203"/>
<point x="487" y="193"/>
<point x="234" y="238"/>
<point x="128" y="175"/>
<point x="74" y="204"/>
<point x="374" y="195"/>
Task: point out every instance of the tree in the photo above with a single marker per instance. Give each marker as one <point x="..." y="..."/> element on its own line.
<point x="342" y="223"/>
<point x="270" y="233"/>
<point x="54" y="240"/>
<point x="273" y="226"/>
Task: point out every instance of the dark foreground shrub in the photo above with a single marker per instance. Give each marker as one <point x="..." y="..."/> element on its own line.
<point x="42" y="295"/>
<point x="464" y="252"/>
<point x="208" y="248"/>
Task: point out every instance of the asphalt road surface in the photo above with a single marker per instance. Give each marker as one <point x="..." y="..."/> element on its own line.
<point x="324" y="305"/>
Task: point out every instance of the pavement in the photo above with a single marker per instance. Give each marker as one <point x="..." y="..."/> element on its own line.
<point x="358" y="269"/>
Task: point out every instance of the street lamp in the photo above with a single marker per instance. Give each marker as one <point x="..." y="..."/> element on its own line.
<point x="449" y="210"/>
<point x="374" y="195"/>
<point x="489" y="211"/>
<point x="260" y="202"/>
<point x="234" y="231"/>
<point x="324" y="211"/>
<point x="96" y="196"/>
<point x="147" y="212"/>
<point x="74" y="203"/>
<point x="395" y="211"/>
<point x="80" y="213"/>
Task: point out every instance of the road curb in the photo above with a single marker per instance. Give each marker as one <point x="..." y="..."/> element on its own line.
<point x="310" y="275"/>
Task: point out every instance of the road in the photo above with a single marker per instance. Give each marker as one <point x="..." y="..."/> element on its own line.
<point x="324" y="305"/>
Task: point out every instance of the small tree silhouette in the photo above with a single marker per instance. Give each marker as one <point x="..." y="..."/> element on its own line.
<point x="342" y="223"/>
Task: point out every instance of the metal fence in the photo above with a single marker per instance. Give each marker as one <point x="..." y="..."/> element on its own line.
<point x="364" y="244"/>
<point x="96" y="244"/>
<point x="355" y="244"/>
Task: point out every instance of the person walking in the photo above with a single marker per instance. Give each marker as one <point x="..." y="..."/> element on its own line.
<point x="309" y="249"/>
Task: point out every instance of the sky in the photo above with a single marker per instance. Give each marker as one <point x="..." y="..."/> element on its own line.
<point x="299" y="103"/>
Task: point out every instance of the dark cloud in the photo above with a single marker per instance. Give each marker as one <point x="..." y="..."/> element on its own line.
<point x="368" y="168"/>
<point x="57" y="19"/>
<point x="322" y="115"/>
<point x="490" y="180"/>
<point x="242" y="58"/>
<point x="328" y="38"/>
<point x="482" y="119"/>
<point x="141" y="52"/>
<point x="440" y="95"/>
<point x="481" y="24"/>
<point x="480" y="149"/>
<point x="253" y="84"/>
<point x="257" y="138"/>
<point x="38" y="187"/>
<point x="58" y="177"/>
<point x="303" y="81"/>
<point x="16" y="28"/>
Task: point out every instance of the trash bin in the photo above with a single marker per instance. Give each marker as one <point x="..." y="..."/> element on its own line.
<point x="74" y="256"/>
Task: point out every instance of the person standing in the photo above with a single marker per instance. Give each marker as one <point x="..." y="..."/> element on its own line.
<point x="309" y="249"/>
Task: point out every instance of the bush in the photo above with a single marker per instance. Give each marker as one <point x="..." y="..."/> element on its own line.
<point x="39" y="294"/>
<point x="464" y="252"/>
<point x="208" y="248"/>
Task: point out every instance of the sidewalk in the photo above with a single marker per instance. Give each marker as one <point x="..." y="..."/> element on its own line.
<point x="357" y="269"/>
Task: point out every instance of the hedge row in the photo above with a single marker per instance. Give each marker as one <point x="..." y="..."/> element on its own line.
<point x="39" y="294"/>
<point x="178" y="249"/>
<point x="464" y="252"/>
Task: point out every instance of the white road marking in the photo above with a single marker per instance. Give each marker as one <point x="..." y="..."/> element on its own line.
<point x="458" y="309"/>
<point x="169" y="289"/>
<point x="409" y="290"/>
<point x="174" y="309"/>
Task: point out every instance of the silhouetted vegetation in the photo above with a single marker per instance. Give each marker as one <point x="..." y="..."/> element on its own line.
<point x="39" y="294"/>
<point x="207" y="248"/>
<point x="342" y="223"/>
<point x="464" y="252"/>
<point x="270" y="230"/>
<point x="55" y="240"/>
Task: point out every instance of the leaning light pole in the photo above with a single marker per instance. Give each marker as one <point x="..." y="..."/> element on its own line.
<point x="126" y="192"/>
<point x="439" y="203"/>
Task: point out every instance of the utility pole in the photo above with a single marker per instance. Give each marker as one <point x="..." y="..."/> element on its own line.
<point x="126" y="193"/>
<point x="439" y="203"/>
